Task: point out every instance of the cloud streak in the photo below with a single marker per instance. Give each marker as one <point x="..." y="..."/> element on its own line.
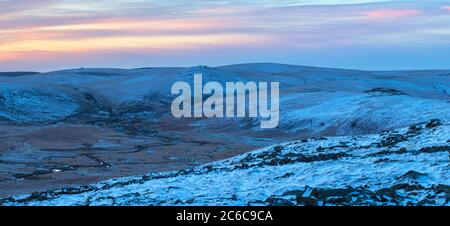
<point x="391" y="13"/>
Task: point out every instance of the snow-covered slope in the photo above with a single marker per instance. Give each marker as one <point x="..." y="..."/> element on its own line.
<point x="81" y="126"/>
<point x="348" y="101"/>
<point x="408" y="166"/>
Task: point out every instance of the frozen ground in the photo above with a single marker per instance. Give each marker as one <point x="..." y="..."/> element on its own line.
<point x="408" y="166"/>
<point x="81" y="126"/>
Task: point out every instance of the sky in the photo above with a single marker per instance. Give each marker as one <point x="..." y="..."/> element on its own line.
<point x="49" y="35"/>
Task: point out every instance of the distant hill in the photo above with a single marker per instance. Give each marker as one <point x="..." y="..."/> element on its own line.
<point x="18" y="73"/>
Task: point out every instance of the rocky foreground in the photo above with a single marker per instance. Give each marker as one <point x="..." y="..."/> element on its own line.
<point x="409" y="166"/>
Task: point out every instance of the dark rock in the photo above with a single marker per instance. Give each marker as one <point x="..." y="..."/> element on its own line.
<point x="433" y="123"/>
<point x="381" y="160"/>
<point x="390" y="152"/>
<point x="391" y="140"/>
<point x="385" y="91"/>
<point x="426" y="202"/>
<point x="414" y="129"/>
<point x="412" y="175"/>
<point x="339" y="200"/>
<point x="325" y="193"/>
<point x="407" y="187"/>
<point x="271" y="201"/>
<point x="435" y="149"/>
<point x="306" y="201"/>
<point x="278" y="148"/>
<point x="294" y="192"/>
<point x="256" y="203"/>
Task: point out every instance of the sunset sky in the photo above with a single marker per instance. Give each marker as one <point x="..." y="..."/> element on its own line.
<point x="47" y="35"/>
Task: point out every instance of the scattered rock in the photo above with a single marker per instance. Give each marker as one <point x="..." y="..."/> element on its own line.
<point x="306" y="201"/>
<point x="384" y="91"/>
<point x="411" y="176"/>
<point x="278" y="202"/>
<point x="433" y="123"/>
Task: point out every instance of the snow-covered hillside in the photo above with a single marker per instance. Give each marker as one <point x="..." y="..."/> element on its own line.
<point x="408" y="166"/>
<point x="314" y="101"/>
<point x="81" y="126"/>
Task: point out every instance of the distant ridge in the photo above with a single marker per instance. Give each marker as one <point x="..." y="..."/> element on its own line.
<point x="255" y="67"/>
<point x="18" y="73"/>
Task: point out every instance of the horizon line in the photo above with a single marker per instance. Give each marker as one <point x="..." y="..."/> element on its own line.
<point x="225" y="65"/>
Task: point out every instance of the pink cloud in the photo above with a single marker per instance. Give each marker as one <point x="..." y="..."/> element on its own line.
<point x="446" y="8"/>
<point x="391" y="13"/>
